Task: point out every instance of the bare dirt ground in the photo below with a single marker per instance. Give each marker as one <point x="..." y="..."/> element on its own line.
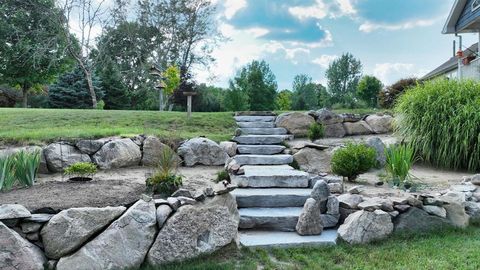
<point x="109" y="188"/>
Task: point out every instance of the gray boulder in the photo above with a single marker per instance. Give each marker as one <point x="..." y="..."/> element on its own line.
<point x="456" y="215"/>
<point x="296" y="123"/>
<point x="380" y="123"/>
<point x="202" y="151"/>
<point x="320" y="191"/>
<point x="313" y="160"/>
<point x="90" y="147"/>
<point x="124" y="244"/>
<point x="357" y="128"/>
<point x="17" y="253"/>
<point x="163" y="212"/>
<point x="350" y="201"/>
<point x="435" y="210"/>
<point x="13" y="211"/>
<point x="70" y="229"/>
<point x="309" y="221"/>
<point x="377" y="144"/>
<point x="195" y="230"/>
<point x="58" y="156"/>
<point x="416" y="220"/>
<point x="335" y="130"/>
<point x="117" y="154"/>
<point x="327" y="117"/>
<point x="473" y="210"/>
<point x="363" y="227"/>
<point x="152" y="151"/>
<point x="229" y="147"/>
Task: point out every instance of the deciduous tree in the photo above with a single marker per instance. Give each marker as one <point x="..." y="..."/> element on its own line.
<point x="368" y="89"/>
<point x="343" y="75"/>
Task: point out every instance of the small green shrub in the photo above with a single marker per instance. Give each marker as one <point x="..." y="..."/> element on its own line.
<point x="81" y="169"/>
<point x="7" y="173"/>
<point x="26" y="165"/>
<point x="316" y="131"/>
<point x="353" y="160"/>
<point x="165" y="180"/>
<point x="399" y="161"/>
<point x="222" y="175"/>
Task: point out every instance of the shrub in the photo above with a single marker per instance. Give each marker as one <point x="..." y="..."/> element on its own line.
<point x="165" y="180"/>
<point x="81" y="169"/>
<point x="7" y="176"/>
<point x="315" y="131"/>
<point x="353" y="160"/>
<point x="440" y="119"/>
<point x="388" y="97"/>
<point x="26" y="165"/>
<point x="222" y="175"/>
<point x="399" y="161"/>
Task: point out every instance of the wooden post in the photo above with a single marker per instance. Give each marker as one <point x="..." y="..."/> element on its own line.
<point x="189" y="102"/>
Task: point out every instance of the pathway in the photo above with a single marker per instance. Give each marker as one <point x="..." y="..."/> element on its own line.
<point x="271" y="193"/>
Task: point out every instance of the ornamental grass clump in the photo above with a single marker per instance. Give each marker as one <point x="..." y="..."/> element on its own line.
<point x="7" y="174"/>
<point x="315" y="131"/>
<point x="165" y="179"/>
<point x="399" y="162"/>
<point x="441" y="121"/>
<point x="353" y="160"/>
<point x="19" y="168"/>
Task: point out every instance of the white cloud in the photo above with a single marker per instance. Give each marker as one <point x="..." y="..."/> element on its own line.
<point x="369" y="27"/>
<point x="321" y="9"/>
<point x="388" y="73"/>
<point x="324" y="60"/>
<point x="231" y="6"/>
<point x="257" y="31"/>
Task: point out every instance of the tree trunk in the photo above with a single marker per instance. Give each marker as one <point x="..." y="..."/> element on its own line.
<point x="25" y="96"/>
<point x="91" y="89"/>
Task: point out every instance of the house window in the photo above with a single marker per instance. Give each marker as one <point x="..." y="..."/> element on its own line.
<point x="475" y="5"/>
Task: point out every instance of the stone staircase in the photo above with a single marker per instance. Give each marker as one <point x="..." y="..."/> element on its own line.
<point x="271" y="193"/>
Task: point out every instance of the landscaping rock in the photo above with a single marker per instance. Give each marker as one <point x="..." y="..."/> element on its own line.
<point x="335" y="188"/>
<point x="345" y="212"/>
<point x="202" y="151"/>
<point x="320" y="191"/>
<point x="327" y="117"/>
<point x="117" y="154"/>
<point x="416" y="220"/>
<point x="70" y="229"/>
<point x="334" y="131"/>
<point x="357" y="128"/>
<point x="59" y="156"/>
<point x="163" y="212"/>
<point x="364" y="227"/>
<point x="152" y="151"/>
<point x="453" y="197"/>
<point x="296" y="123"/>
<point x="329" y="221"/>
<point x="182" y="193"/>
<point x="466" y="187"/>
<point x="435" y="210"/>
<point x="333" y="206"/>
<point x="313" y="161"/>
<point x="473" y="210"/>
<point x="475" y="179"/>
<point x="310" y="222"/>
<point x="174" y="203"/>
<point x="355" y="190"/>
<point x="17" y="253"/>
<point x="122" y="245"/>
<point x="90" y="147"/>
<point x="456" y="215"/>
<point x="402" y="207"/>
<point x="377" y="144"/>
<point x="30" y="227"/>
<point x="350" y="201"/>
<point x="350" y="117"/>
<point x="380" y="123"/>
<point x="229" y="147"/>
<point x="195" y="230"/>
<point x="13" y="211"/>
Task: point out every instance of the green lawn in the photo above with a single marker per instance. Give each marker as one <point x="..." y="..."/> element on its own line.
<point x="33" y="125"/>
<point x="446" y="250"/>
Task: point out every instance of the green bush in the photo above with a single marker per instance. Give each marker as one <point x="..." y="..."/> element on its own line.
<point x="399" y="161"/>
<point x="353" y="160"/>
<point x="441" y="120"/>
<point x="20" y="167"/>
<point x="81" y="169"/>
<point x="165" y="180"/>
<point x="316" y="131"/>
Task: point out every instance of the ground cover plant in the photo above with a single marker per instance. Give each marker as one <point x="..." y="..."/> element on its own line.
<point x="81" y="170"/>
<point x="353" y="160"/>
<point x="440" y="119"/>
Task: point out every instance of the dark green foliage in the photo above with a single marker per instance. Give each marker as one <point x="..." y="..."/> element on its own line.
<point x="117" y="96"/>
<point x="164" y="180"/>
<point x="305" y="93"/>
<point x="222" y="175"/>
<point x="71" y="91"/>
<point x="316" y="131"/>
<point x="209" y="99"/>
<point x="20" y="168"/>
<point x="343" y="75"/>
<point x="368" y="89"/>
<point x="399" y="161"/>
<point x="7" y="172"/>
<point x="440" y="119"/>
<point x="353" y="160"/>
<point x="258" y="83"/>
<point x="388" y="96"/>
<point x="236" y="100"/>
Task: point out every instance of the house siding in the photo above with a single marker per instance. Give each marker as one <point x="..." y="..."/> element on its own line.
<point x="467" y="16"/>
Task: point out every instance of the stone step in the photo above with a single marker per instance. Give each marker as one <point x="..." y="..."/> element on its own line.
<point x="255" y="113"/>
<point x="263" y="159"/>
<point x="262" y="131"/>
<point x="271" y="176"/>
<point x="272" y="239"/>
<point x="279" y="219"/>
<point x="262" y="139"/>
<point x="271" y="197"/>
<point x="254" y="118"/>
<point x="260" y="149"/>
<point x="256" y="124"/>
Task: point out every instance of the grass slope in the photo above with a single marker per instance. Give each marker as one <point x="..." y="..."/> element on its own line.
<point x="33" y="125"/>
<point x="446" y="250"/>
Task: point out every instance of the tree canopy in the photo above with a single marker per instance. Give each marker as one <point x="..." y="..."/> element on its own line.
<point x="343" y="75"/>
<point x="368" y="89"/>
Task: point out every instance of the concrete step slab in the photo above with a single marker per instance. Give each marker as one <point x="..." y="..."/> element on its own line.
<point x="273" y="239"/>
<point x="279" y="219"/>
<point x="279" y="176"/>
<point x="263" y="159"/>
<point x="254" y="118"/>
<point x="262" y="131"/>
<point x="260" y="149"/>
<point x="271" y="197"/>
<point x="256" y="124"/>
<point x="255" y="113"/>
<point x="262" y="139"/>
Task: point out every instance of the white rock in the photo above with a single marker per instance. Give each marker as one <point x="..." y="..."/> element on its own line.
<point x="117" y="154"/>
<point x="12" y="211"/>
<point x="59" y="156"/>
<point x="229" y="147"/>
<point x="363" y="227"/>
<point x="380" y="123"/>
<point x="296" y="123"/>
<point x="202" y="151"/>
<point x="309" y="221"/>
<point x="152" y="151"/>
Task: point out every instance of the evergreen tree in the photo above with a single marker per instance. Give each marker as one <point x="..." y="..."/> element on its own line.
<point x="71" y="91"/>
<point x="116" y="93"/>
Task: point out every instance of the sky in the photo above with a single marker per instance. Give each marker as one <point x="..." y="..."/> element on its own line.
<point x="392" y="38"/>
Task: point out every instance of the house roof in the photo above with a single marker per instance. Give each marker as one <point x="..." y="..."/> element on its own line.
<point x="451" y="64"/>
<point x="455" y="13"/>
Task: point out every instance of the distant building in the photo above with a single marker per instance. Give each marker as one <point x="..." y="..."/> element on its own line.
<point x="463" y="18"/>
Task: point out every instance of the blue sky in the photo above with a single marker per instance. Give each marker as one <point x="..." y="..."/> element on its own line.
<point x="392" y="38"/>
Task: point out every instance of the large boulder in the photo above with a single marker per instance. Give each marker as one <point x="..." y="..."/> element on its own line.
<point x="357" y="128"/>
<point x="58" y="156"/>
<point x="123" y="245"/>
<point x="473" y="210"/>
<point x="117" y="154"/>
<point x="456" y="215"/>
<point x="310" y="221"/>
<point x="17" y="253"/>
<point x="327" y="117"/>
<point x="90" y="147"/>
<point x="229" y="147"/>
<point x="313" y="160"/>
<point x="13" y="211"/>
<point x="320" y="191"/>
<point x="70" y="229"/>
<point x="350" y="201"/>
<point x="196" y="229"/>
<point x="334" y="130"/>
<point x="296" y="123"/>
<point x="380" y="123"/>
<point x="152" y="151"/>
<point x="416" y="220"/>
<point x="202" y="151"/>
<point x="377" y="144"/>
<point x="363" y="227"/>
